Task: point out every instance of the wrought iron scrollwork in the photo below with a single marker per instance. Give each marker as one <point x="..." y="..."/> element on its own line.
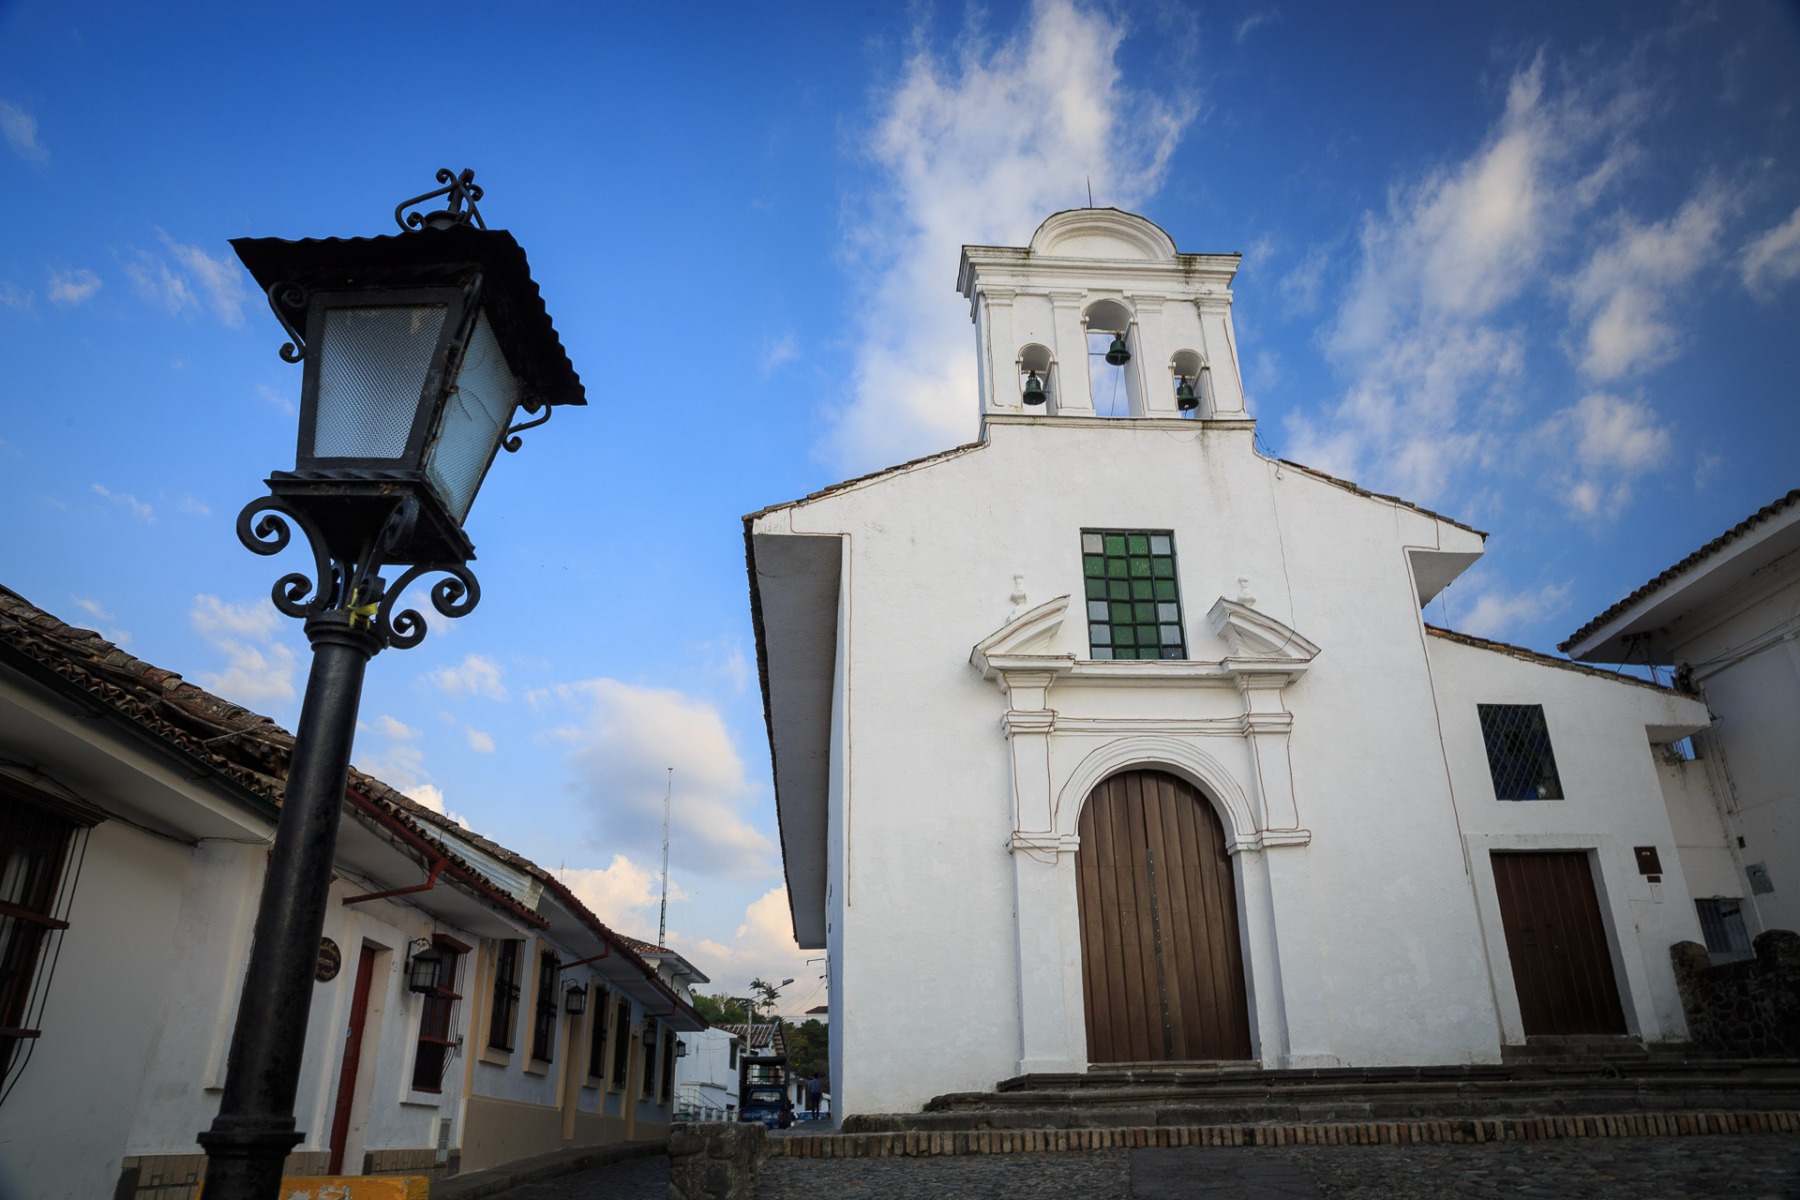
<point x="512" y="442"/>
<point x="459" y="210"/>
<point x="285" y="298"/>
<point x="349" y="586"/>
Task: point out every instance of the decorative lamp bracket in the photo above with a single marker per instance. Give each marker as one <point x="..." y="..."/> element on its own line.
<point x="459" y="210"/>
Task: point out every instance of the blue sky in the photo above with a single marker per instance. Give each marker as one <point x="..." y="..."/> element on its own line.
<point x="1536" y="268"/>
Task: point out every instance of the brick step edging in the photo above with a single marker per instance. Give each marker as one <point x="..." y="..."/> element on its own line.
<point x="921" y="1143"/>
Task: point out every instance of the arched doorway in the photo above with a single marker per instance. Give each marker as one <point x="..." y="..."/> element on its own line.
<point x="1162" y="968"/>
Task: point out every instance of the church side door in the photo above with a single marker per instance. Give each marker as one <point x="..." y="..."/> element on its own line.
<point x="1162" y="968"/>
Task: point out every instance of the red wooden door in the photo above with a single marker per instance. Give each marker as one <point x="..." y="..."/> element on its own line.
<point x="1162" y="969"/>
<point x="353" y="1039"/>
<point x="1562" y="969"/>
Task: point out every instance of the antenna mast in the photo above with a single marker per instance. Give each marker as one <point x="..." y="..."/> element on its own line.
<point x="662" y="912"/>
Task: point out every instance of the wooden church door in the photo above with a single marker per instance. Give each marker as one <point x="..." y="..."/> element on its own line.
<point x="1162" y="969"/>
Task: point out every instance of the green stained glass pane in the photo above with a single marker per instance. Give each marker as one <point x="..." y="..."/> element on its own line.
<point x="1137" y="543"/>
<point x="1121" y="612"/>
<point x="1091" y="544"/>
<point x="1116" y="567"/>
<point x="1096" y="589"/>
<point x="1165" y="589"/>
<point x="1140" y="589"/>
<point x="1093" y="564"/>
<point x="1124" y="635"/>
<point x="1140" y="567"/>
<point x="1115" y="543"/>
<point x="1144" y="614"/>
<point x="1162" y="568"/>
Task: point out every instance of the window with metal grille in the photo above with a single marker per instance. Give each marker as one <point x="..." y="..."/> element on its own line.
<point x="648" y="1084"/>
<point x="621" y="1036"/>
<point x="506" y="997"/>
<point x="437" y="1020"/>
<point x="42" y="840"/>
<point x="668" y="1066"/>
<point x="601" y="1005"/>
<point x="1133" y="600"/>
<point x="543" y="1025"/>
<point x="1722" y="921"/>
<point x="1518" y="751"/>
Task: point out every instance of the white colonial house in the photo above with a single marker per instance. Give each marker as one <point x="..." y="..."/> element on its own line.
<point x="1727" y="617"/>
<point x="1131" y="743"/>
<point x="136" y="814"/>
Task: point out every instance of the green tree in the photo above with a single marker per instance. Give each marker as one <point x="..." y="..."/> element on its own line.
<point x="766" y="993"/>
<point x="809" y="1050"/>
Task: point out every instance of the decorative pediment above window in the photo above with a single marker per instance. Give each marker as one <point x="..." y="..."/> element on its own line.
<point x="1022" y="643"/>
<point x="1258" y="642"/>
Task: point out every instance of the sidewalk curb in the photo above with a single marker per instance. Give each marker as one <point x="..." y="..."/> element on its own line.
<point x="492" y="1180"/>
<point x="935" y="1143"/>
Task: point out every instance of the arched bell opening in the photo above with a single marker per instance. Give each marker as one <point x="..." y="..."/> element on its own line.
<point x="1037" y="378"/>
<point x="1162" y="962"/>
<point x="1113" y="373"/>
<point x="1192" y="380"/>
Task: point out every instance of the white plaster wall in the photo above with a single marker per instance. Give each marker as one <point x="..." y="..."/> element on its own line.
<point x="926" y="806"/>
<point x="1613" y="801"/>
<point x="1753" y="751"/>
<point x="705" y="1075"/>
<point x="1700" y="832"/>
<point x="64" y="1127"/>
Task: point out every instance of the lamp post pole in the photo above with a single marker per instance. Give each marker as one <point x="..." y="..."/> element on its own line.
<point x="419" y="349"/>
<point x="254" y="1131"/>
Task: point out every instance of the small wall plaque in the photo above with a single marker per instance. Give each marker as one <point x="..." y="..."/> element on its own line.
<point x="330" y="959"/>
<point x="1649" y="863"/>
<point x="1760" y="883"/>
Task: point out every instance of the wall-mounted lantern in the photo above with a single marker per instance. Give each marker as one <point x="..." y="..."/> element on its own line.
<point x="425" y="970"/>
<point x="575" y="998"/>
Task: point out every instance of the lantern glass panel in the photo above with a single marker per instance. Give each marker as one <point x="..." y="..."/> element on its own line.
<point x="476" y="414"/>
<point x="372" y="368"/>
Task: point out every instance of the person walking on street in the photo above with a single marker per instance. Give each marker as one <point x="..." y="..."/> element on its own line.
<point x="814" y="1089"/>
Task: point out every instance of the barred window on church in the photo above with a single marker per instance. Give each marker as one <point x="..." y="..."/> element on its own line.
<point x="1518" y="751"/>
<point x="1133" y="602"/>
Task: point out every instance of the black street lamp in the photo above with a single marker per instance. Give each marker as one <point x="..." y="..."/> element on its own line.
<point x="419" y="349"/>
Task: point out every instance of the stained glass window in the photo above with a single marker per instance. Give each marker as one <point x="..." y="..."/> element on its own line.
<point x="1133" y="601"/>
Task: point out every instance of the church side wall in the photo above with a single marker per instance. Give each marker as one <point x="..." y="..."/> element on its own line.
<point x="1613" y="802"/>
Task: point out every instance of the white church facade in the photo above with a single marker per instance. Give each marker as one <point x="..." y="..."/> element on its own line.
<point x="1125" y="743"/>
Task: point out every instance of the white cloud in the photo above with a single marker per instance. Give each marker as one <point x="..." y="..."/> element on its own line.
<point x="1772" y="259"/>
<point x="220" y="278"/>
<point x="1623" y="290"/>
<point x="193" y="507"/>
<point x="104" y="619"/>
<point x="762" y="948"/>
<point x="395" y="728"/>
<point x="980" y="146"/>
<point x="275" y="399"/>
<point x="476" y="675"/>
<point x="481" y="743"/>
<point x="21" y="131"/>
<point x="1433" y="362"/>
<point x="621" y="746"/>
<point x="624" y="894"/>
<point x="776" y="351"/>
<point x="73" y="287"/>
<point x="1598" y="447"/>
<point x="127" y="501"/>
<point x="257" y="669"/>
<point x="1495" y="613"/>
<point x="1246" y="26"/>
<point x="180" y="288"/>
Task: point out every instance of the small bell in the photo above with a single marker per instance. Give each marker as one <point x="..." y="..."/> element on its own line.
<point x="1034" y="389"/>
<point x="1116" y="354"/>
<point x="1185" y="399"/>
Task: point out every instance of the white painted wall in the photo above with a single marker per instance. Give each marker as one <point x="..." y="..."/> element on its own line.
<point x="1614" y="800"/>
<point x="706" y="1078"/>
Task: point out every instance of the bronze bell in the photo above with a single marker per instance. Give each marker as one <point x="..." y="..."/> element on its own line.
<point x="1116" y="354"/>
<point x="1185" y="399"/>
<point x="1034" y="389"/>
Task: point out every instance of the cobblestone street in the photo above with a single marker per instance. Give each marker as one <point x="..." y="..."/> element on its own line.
<point x="1761" y="1166"/>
